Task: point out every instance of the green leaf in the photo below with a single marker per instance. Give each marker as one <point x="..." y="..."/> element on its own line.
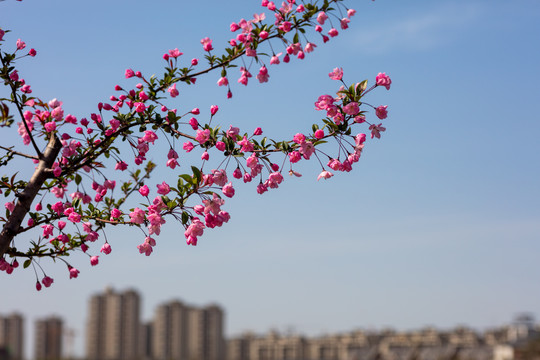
<point x="27" y="263"/>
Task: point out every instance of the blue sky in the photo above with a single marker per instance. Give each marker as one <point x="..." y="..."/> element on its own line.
<point x="438" y="224"/>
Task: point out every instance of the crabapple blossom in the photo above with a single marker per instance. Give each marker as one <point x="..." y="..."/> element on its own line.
<point x="381" y="112"/>
<point x="80" y="196"/>
<point x="383" y="80"/>
<point x="336" y="74"/>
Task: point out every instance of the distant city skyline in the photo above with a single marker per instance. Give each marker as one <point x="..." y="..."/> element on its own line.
<point x="179" y="331"/>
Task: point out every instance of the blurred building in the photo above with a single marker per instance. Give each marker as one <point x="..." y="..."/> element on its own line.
<point x="426" y="344"/>
<point x="48" y="340"/>
<point x="12" y="336"/>
<point x="182" y="332"/>
<point x="113" y="328"/>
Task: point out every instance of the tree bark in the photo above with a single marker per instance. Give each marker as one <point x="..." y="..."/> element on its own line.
<point x="27" y="196"/>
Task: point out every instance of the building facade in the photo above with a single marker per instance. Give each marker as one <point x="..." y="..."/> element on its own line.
<point x="12" y="336"/>
<point x="113" y="328"/>
<point x="182" y="332"/>
<point x="48" y="340"/>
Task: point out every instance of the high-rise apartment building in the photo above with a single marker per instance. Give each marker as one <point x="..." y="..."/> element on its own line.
<point x="11" y="335"/>
<point x="48" y="340"/>
<point x="113" y="326"/>
<point x="182" y="332"/>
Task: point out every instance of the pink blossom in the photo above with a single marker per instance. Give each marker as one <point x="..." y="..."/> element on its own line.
<point x="106" y="249"/>
<point x="344" y="23"/>
<point x="74" y="217"/>
<point x="194" y="123"/>
<point x="144" y="191"/>
<point x="163" y="188"/>
<point x="207" y="44"/>
<point x="322" y="17"/>
<point x="228" y="190"/>
<point x="139" y="107"/>
<point x="219" y="177"/>
<point x="205" y="156"/>
<point x="121" y="165"/>
<point x="38" y="284"/>
<point x="294" y="157"/>
<point x="383" y="80"/>
<point x="195" y="111"/>
<point x="300" y="8"/>
<point x="359" y="139"/>
<point x="336" y="74"/>
<point x="351" y="108"/>
<point x="214" y="109"/>
<point x="129" y="73"/>
<point x="360" y="119"/>
<point x="202" y="135"/>
<point x="263" y="35"/>
<point x="175" y="53"/>
<point x="188" y="146"/>
<point x="194" y="62"/>
<point x="50" y="126"/>
<point x="233" y="132"/>
<point x="20" y="44"/>
<point x="258" y="131"/>
<point x="234" y="27"/>
<point x="245" y="76"/>
<point x="381" y="112"/>
<point x="307" y="149"/>
<point x="319" y="134"/>
<point x="325" y="175"/>
<point x="263" y="75"/>
<point x="149" y="136"/>
<point x="115" y="213"/>
<point x="237" y="173"/>
<point x="47" y="281"/>
<point x="252" y="161"/>
<point x="220" y="145"/>
<point x="10" y="206"/>
<point x="247" y="146"/>
<point x="137" y="216"/>
<point x="247" y="178"/>
<point x="275" y="59"/>
<point x="26" y="89"/>
<point x="261" y="188"/>
<point x="299" y="138"/>
<point x="351" y="12"/>
<point x="376" y="130"/>
<point x="145" y="248"/>
<point x="14" y="76"/>
<point x="61" y="225"/>
<point x="285" y="26"/>
<point x="333" y="32"/>
<point x="223" y="81"/>
<point x="173" y="91"/>
<point x="310" y="47"/>
<point x="213" y="205"/>
<point x="73" y="273"/>
<point x="94" y="260"/>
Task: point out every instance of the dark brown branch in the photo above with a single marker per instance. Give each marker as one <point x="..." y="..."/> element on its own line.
<point x="10" y="150"/>
<point x="27" y="196"/>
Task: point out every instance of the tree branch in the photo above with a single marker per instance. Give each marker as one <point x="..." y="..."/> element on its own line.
<point x="27" y="196"/>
